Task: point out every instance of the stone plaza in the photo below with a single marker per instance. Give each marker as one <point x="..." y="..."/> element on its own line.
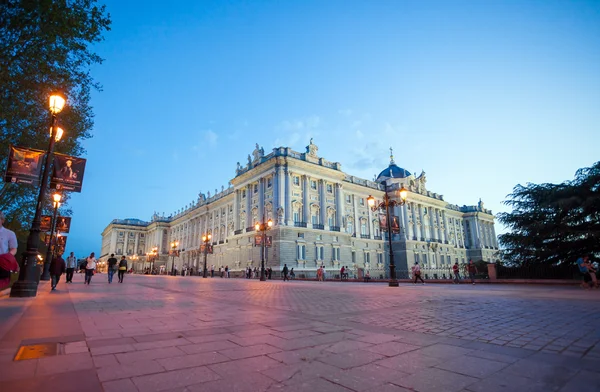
<point x="165" y="333"/>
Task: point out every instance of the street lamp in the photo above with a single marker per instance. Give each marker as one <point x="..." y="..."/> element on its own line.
<point x="154" y="257"/>
<point x="387" y="203"/>
<point x="50" y="252"/>
<point x="174" y="246"/>
<point x="262" y="227"/>
<point x="205" y="240"/>
<point x="27" y="284"/>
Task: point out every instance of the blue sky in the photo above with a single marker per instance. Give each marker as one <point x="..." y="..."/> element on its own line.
<point x="482" y="95"/>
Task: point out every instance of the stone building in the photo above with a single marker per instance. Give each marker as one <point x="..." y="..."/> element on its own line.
<point x="320" y="215"/>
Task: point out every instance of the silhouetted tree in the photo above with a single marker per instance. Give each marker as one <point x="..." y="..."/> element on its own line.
<point x="553" y="223"/>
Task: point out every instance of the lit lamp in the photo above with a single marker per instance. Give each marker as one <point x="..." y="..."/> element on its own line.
<point x="174" y="246"/>
<point x="205" y="240"/>
<point x="262" y="227"/>
<point x="387" y="203"/>
<point x="59" y="133"/>
<point x="56" y="197"/>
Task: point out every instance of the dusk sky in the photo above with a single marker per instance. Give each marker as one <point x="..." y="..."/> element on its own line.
<point x="482" y="95"/>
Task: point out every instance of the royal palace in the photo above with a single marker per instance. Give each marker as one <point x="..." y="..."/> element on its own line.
<point x="320" y="217"/>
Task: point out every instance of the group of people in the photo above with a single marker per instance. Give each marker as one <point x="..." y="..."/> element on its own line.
<point x="590" y="280"/>
<point x="222" y="271"/>
<point x="470" y="269"/>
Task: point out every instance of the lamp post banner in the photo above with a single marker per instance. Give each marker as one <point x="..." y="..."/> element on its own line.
<point x="61" y="244"/>
<point x="67" y="173"/>
<point x="46" y="223"/>
<point x="63" y="224"/>
<point x="24" y="166"/>
<point x="383" y="222"/>
<point x="395" y="224"/>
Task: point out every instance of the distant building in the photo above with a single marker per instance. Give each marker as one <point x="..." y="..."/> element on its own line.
<point x="320" y="216"/>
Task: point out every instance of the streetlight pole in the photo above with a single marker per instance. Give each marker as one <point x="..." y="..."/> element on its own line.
<point x="205" y="239"/>
<point x="263" y="227"/>
<point x="50" y="251"/>
<point x="387" y="203"/>
<point x="27" y="284"/>
<point x="174" y="246"/>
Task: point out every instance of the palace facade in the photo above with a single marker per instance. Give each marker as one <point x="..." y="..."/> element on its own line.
<point x="320" y="217"/>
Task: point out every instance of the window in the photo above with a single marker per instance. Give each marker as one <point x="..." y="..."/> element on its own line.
<point x="255" y="188"/>
<point x="300" y="235"/>
<point x="379" y="258"/>
<point x="330" y="221"/>
<point x="350" y="227"/>
<point x="319" y="237"/>
<point x="363" y="227"/>
<point x="301" y="252"/>
<point x="315" y="219"/>
<point x="296" y="216"/>
<point x="367" y="256"/>
<point x="269" y="182"/>
<point x="296" y="180"/>
<point x="243" y="193"/>
<point x="336" y="254"/>
<point x="329" y="188"/>
<point x="353" y="257"/>
<point x="361" y="201"/>
<point x="142" y="235"/>
<point x="416" y="257"/>
<point x="121" y="233"/>
<point x="348" y="199"/>
<point x="319" y="252"/>
<point x="335" y="238"/>
<point x="313" y="184"/>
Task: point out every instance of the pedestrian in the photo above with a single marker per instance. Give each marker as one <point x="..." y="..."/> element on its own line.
<point x="285" y="272"/>
<point x="227" y="271"/>
<point x="292" y="274"/>
<point x="221" y="271"/>
<point x="8" y="250"/>
<point x="455" y="270"/>
<point x="416" y="270"/>
<point x="112" y="267"/>
<point x="591" y="272"/>
<point x="472" y="271"/>
<point x="342" y="272"/>
<point x="71" y="264"/>
<point x="319" y="274"/>
<point x="90" y="267"/>
<point x="122" y="268"/>
<point x="212" y="271"/>
<point x="324" y="274"/>
<point x="57" y="268"/>
<point x="270" y="273"/>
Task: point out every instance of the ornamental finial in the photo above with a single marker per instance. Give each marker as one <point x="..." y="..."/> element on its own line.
<point x="392" y="156"/>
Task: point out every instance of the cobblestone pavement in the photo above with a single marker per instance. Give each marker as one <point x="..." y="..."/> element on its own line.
<point x="192" y="334"/>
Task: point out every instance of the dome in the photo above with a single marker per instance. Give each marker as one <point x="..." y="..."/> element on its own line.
<point x="393" y="171"/>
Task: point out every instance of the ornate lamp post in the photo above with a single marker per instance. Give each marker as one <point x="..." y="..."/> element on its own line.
<point x="151" y="257"/>
<point x="27" y="284"/>
<point x="262" y="227"/>
<point x="174" y="246"/>
<point x="50" y="252"/>
<point x="205" y="240"/>
<point x="387" y="203"/>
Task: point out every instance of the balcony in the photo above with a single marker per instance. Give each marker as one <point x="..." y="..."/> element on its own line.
<point x="240" y="231"/>
<point x="378" y="237"/>
<point x="334" y="228"/>
<point x="299" y="224"/>
<point x="318" y="226"/>
<point x="221" y="242"/>
<point x="365" y="236"/>
<point x="249" y="229"/>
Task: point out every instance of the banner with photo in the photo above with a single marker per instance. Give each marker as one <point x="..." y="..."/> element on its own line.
<point x="61" y="244"/>
<point x="203" y="247"/>
<point x="67" y="173"/>
<point x="258" y="241"/>
<point x="24" y="166"/>
<point x="63" y="224"/>
<point x="47" y="239"/>
<point x="395" y="224"/>
<point x="46" y="223"/>
<point x="383" y="222"/>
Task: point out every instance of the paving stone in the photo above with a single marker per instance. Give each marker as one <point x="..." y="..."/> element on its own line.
<point x="411" y="362"/>
<point x="509" y="383"/>
<point x="246" y="382"/>
<point x="388" y="388"/>
<point x="351" y="359"/>
<point x="192" y="360"/>
<point x="165" y="352"/>
<point x="347" y="345"/>
<point x="174" y="379"/>
<point x="64" y="363"/>
<point x="253" y="364"/>
<point x="585" y="381"/>
<point x="128" y="370"/>
<point x="110" y="342"/>
<point x="316" y="384"/>
<point x="291" y="374"/>
<point x="18" y="370"/>
<point x="302" y="355"/>
<point x="540" y="372"/>
<point x="161" y="343"/>
<point x="472" y="366"/>
<point x="125" y="385"/>
<point x="250" y="351"/>
<point x="434" y="380"/>
<point x="391" y="349"/>
<point x="102" y="350"/>
<point x="205" y="347"/>
<point x="444" y="351"/>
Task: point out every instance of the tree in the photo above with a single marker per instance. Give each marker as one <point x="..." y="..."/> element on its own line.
<point x="553" y="223"/>
<point x="44" y="47"/>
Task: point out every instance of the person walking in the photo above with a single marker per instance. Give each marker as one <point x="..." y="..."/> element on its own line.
<point x="455" y="270"/>
<point x="285" y="272"/>
<point x="112" y="267"/>
<point x="122" y="268"/>
<point x="472" y="271"/>
<point x="8" y="250"/>
<point x="591" y="272"/>
<point x="292" y="274"/>
<point x="71" y="264"/>
<point x="227" y="271"/>
<point x="212" y="271"/>
<point x="319" y="274"/>
<point x="90" y="267"/>
<point x="57" y="268"/>
<point x="416" y="270"/>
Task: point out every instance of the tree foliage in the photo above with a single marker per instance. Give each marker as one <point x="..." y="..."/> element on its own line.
<point x="554" y="223"/>
<point x="45" y="46"/>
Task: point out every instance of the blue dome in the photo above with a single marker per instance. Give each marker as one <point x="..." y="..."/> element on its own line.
<point x="393" y="171"/>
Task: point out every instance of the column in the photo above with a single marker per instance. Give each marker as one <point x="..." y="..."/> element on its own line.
<point x="261" y="199"/>
<point x="248" y="207"/>
<point x="236" y="209"/>
<point x="422" y="231"/>
<point x="356" y="217"/>
<point x="322" y="202"/>
<point x="305" y="200"/>
<point x="444" y="219"/>
<point x="289" y="216"/>
<point x="370" y="222"/>
<point x="407" y="228"/>
<point x="226" y="221"/>
<point x="137" y="239"/>
<point x="433" y="233"/>
<point x="281" y="192"/>
<point x="339" y="205"/>
<point x="438" y="219"/>
<point x="417" y="234"/>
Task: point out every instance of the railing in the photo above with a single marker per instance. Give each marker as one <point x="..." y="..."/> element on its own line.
<point x="221" y="242"/>
<point x="365" y="236"/>
<point x="240" y="231"/>
<point x="378" y="237"/>
<point x="318" y="226"/>
<point x="249" y="229"/>
<point x="539" y="271"/>
<point x="334" y="228"/>
<point x="299" y="224"/>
